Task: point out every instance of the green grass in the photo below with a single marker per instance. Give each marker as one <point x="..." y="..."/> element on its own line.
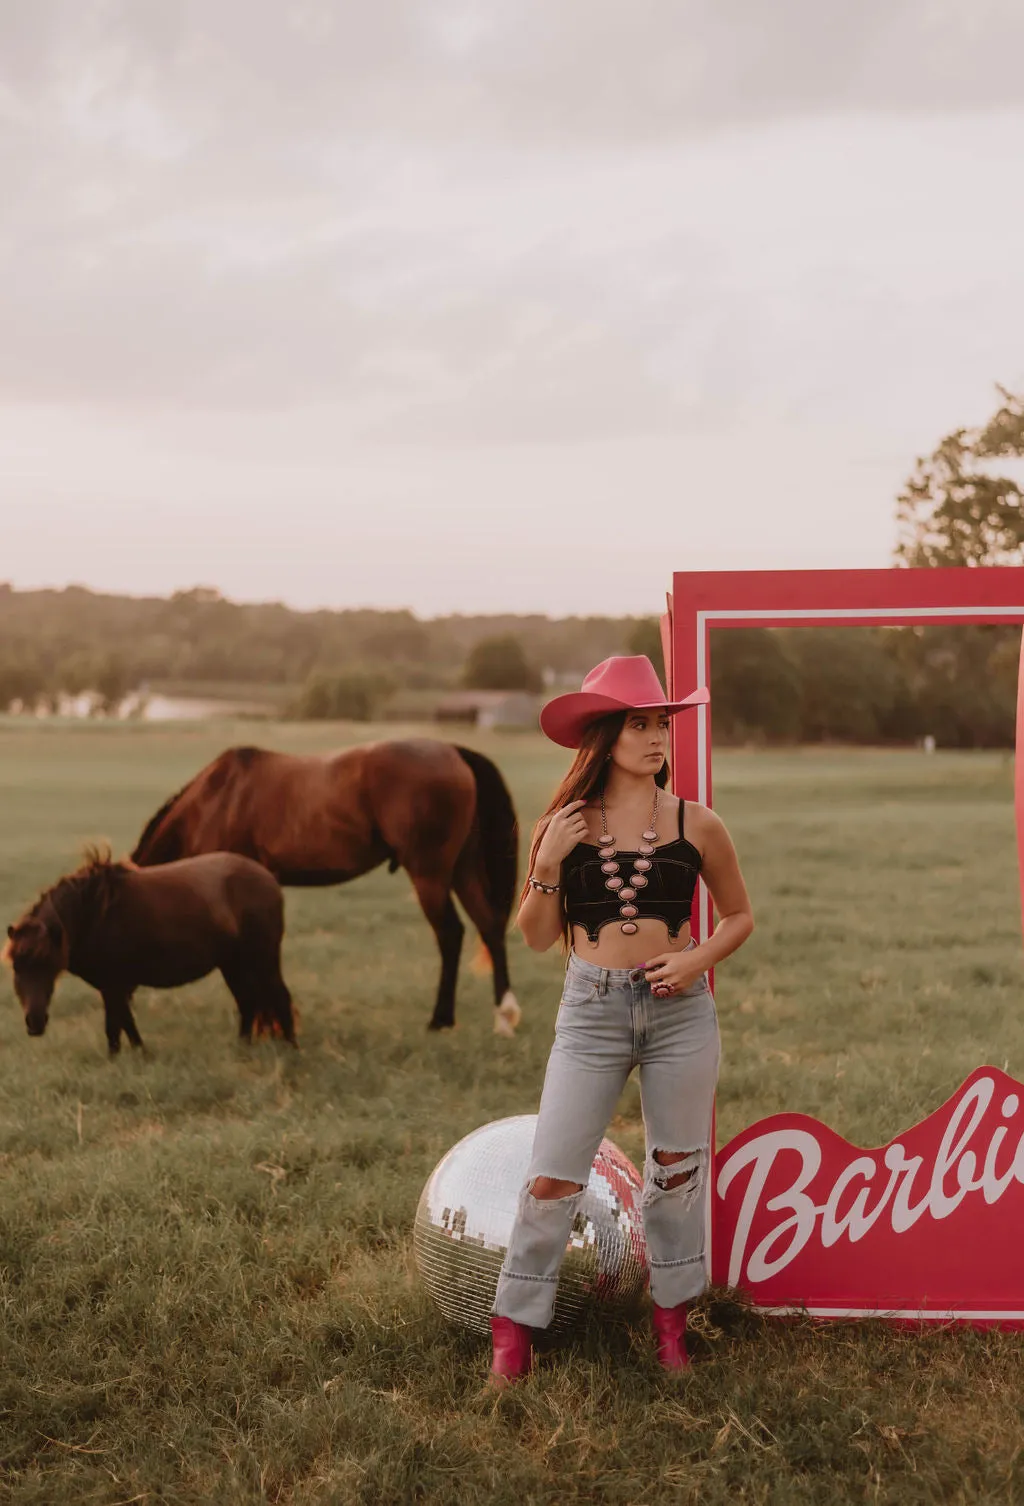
<point x="207" y="1283"/>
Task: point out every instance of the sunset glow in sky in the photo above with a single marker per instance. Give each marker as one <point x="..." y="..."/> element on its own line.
<point x="465" y="308"/>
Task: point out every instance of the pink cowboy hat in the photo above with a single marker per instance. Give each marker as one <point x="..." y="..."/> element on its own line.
<point x="622" y="683"/>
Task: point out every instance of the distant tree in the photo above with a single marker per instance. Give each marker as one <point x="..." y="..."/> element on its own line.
<point x="111" y="682"/>
<point x="847" y="685"/>
<point x="953" y="510"/>
<point x="399" y="637"/>
<point x="957" y="683"/>
<point x="957" y="510"/>
<point x="500" y="664"/>
<point x="78" y="672"/>
<point x="22" y="680"/>
<point x="755" y="686"/>
<point x="352" y="696"/>
<point x="644" y="637"/>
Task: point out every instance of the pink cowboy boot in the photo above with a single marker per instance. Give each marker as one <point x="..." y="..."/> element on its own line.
<point x="513" y="1352"/>
<point x="670" y="1333"/>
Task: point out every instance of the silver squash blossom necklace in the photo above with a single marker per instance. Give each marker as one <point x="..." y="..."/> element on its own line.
<point x="623" y="889"/>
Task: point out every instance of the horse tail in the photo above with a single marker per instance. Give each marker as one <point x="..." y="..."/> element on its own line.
<point x="499" y="831"/>
<point x="266" y="1022"/>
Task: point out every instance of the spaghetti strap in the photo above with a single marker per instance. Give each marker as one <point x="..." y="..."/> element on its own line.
<point x="661" y="887"/>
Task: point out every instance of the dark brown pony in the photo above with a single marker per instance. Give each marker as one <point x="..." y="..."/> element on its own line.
<point x="442" y="813"/>
<point x="118" y="927"/>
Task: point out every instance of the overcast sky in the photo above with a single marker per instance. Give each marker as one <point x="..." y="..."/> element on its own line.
<point x="472" y="305"/>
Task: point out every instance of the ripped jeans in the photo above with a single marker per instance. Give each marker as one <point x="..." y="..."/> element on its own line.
<point x="608" y="1023"/>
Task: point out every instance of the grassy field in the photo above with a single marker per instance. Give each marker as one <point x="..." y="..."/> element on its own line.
<point x="207" y="1284"/>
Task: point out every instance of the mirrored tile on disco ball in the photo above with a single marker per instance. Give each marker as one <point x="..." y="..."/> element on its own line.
<point x="465" y="1216"/>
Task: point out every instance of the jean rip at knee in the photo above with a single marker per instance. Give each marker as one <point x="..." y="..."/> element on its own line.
<point x="681" y="1178"/>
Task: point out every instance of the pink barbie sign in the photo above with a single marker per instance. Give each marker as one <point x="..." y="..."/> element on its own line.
<point x="930" y="1226"/>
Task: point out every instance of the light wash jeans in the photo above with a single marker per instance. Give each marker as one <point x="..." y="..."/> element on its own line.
<point x="608" y="1023"/>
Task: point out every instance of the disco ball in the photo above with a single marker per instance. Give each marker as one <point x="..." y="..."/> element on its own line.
<point x="465" y="1216"/>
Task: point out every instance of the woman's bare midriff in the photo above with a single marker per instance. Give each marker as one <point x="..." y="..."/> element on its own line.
<point x="613" y="949"/>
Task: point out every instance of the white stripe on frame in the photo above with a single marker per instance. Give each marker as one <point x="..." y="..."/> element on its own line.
<point x="810" y="614"/>
<point x="896" y="617"/>
<point x="923" y="1315"/>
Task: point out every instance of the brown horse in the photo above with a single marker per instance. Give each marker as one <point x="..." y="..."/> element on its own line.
<point x="442" y="813"/>
<point x="118" y="927"/>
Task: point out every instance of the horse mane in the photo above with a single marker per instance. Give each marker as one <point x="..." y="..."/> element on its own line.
<point x="98" y="880"/>
<point x="154" y="821"/>
<point x="211" y="780"/>
<point x="99" y="863"/>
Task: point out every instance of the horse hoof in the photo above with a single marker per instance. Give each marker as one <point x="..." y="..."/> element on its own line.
<point x="441" y="1025"/>
<point x="507" y="1016"/>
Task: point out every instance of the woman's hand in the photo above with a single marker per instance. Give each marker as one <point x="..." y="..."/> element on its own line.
<point x="565" y="828"/>
<point x="673" y="973"/>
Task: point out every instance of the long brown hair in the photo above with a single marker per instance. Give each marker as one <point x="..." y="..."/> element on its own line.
<point x="585" y="778"/>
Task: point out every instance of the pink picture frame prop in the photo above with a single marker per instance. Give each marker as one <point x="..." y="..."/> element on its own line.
<point x="929" y="1227"/>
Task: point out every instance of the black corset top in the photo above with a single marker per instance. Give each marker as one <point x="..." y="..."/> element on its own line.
<point x="668" y="895"/>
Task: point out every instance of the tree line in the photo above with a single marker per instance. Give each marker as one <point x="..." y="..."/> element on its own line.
<point x="55" y="643"/>
<point x="959" y="507"/>
<point x="783" y="685"/>
<point x="866" y="685"/>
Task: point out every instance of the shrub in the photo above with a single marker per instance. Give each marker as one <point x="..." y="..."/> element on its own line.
<point x="500" y="664"/>
<point x="353" y="696"/>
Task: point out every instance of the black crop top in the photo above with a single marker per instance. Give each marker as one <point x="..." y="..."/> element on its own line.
<point x="668" y="896"/>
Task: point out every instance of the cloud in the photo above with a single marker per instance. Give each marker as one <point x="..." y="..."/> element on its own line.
<point x="525" y="220"/>
<point x="579" y="72"/>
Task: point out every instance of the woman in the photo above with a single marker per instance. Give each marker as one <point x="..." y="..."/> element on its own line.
<point x="613" y="870"/>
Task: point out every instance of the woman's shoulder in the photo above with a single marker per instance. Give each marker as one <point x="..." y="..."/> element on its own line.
<point x="702" y="814"/>
<point x="700" y="822"/>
